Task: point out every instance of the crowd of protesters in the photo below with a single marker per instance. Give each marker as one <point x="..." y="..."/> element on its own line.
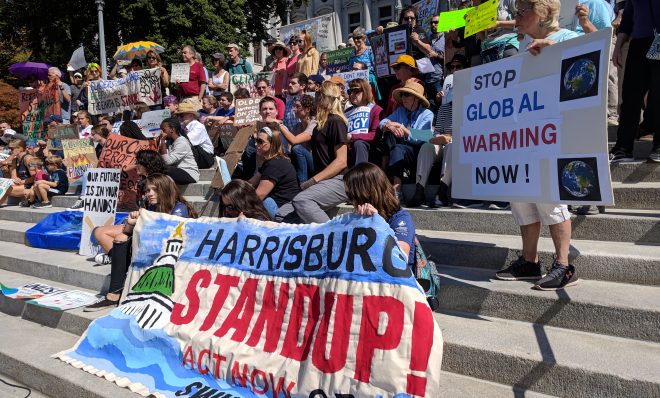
<point x="294" y="169"/>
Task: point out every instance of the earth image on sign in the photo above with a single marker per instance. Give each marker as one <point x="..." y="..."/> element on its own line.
<point x="578" y="178"/>
<point x="580" y="77"/>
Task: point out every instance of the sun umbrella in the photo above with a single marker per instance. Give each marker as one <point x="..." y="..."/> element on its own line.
<point x="27" y="69"/>
<point x="136" y="50"/>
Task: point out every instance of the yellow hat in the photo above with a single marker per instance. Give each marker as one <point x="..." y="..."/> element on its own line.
<point x="406" y="59"/>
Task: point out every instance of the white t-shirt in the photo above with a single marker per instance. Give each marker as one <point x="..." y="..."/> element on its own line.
<point x="198" y="136"/>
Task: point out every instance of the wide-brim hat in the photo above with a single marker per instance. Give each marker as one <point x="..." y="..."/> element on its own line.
<point x="186" y="107"/>
<point x="280" y="44"/>
<point x="413" y="88"/>
<point x="406" y="59"/>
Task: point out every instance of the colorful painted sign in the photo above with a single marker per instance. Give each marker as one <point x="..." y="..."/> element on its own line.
<point x="338" y="60"/>
<point x="109" y="96"/>
<point x="61" y="132"/>
<point x="426" y="9"/>
<point x="35" y="107"/>
<point x="532" y="129"/>
<point x="261" y="309"/>
<point x="30" y="291"/>
<point x="100" y="197"/>
<point x="249" y="81"/>
<point x="79" y="155"/>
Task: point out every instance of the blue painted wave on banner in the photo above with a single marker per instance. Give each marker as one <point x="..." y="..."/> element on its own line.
<point x="349" y="247"/>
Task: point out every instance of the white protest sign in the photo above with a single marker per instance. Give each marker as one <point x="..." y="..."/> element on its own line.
<point x="66" y="300"/>
<point x="249" y="80"/>
<point x="100" y="196"/>
<point x="352" y="75"/>
<point x="150" y="122"/>
<point x="30" y="291"/>
<point x="109" y="96"/>
<point x="533" y="129"/>
<point x="358" y="119"/>
<point x="5" y="184"/>
<point x="324" y="30"/>
<point x="180" y="73"/>
<point x="447" y="89"/>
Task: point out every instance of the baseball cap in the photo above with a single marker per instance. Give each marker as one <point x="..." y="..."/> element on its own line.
<point x="233" y="45"/>
<point x="318" y="79"/>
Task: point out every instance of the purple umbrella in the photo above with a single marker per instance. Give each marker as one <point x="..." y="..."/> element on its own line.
<point x="27" y="69"/>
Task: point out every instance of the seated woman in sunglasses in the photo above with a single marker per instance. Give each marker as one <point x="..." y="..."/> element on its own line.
<point x="363" y="119"/>
<point x="275" y="181"/>
<point x="239" y="199"/>
<point x="413" y="113"/>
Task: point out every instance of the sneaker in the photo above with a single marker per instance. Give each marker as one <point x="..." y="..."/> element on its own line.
<point x="655" y="155"/>
<point x="419" y="197"/>
<point x="613" y="120"/>
<point x="621" y="156"/>
<point x="559" y="277"/>
<point x="25" y="203"/>
<point x="101" y="305"/>
<point x="103" y="259"/>
<point x="467" y="204"/>
<point x="78" y="205"/>
<point x="499" y="206"/>
<point x="42" y="205"/>
<point x="587" y="210"/>
<point x="520" y="270"/>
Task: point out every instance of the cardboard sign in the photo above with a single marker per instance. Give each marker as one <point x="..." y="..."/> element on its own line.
<point x="338" y="60"/>
<point x="234" y="152"/>
<point x="79" y="155"/>
<point x="270" y="310"/>
<point x="66" y="300"/>
<point x="482" y="17"/>
<point x="180" y="72"/>
<point x="119" y="153"/>
<point x="426" y="9"/>
<point x="249" y="81"/>
<point x="110" y="96"/>
<point x="247" y="111"/>
<point x="29" y="291"/>
<point x="222" y="135"/>
<point x="532" y="129"/>
<point x="352" y="75"/>
<point x="388" y="46"/>
<point x="61" y="132"/>
<point x="100" y="196"/>
<point x="5" y="184"/>
<point x="324" y="30"/>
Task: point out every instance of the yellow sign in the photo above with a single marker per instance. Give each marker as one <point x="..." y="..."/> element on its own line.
<point x="482" y="17"/>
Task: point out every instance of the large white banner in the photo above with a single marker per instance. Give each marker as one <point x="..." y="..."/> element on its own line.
<point x="533" y="129"/>
<point x="325" y="31"/>
<point x="109" y="96"/>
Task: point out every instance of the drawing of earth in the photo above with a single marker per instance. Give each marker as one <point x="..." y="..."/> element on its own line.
<point x="578" y="178"/>
<point x="580" y="77"/>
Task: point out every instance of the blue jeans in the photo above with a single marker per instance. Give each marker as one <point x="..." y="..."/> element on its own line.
<point x="303" y="162"/>
<point x="271" y="207"/>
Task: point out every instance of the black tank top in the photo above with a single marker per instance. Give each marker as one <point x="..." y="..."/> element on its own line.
<point x="22" y="170"/>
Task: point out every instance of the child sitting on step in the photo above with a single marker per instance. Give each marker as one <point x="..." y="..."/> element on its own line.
<point x="56" y="183"/>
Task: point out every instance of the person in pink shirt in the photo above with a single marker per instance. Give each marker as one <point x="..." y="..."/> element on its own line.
<point x="280" y="54"/>
<point x="294" y="47"/>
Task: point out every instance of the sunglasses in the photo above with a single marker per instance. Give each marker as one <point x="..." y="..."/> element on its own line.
<point x="259" y="141"/>
<point x="435" y="22"/>
<point x="396" y="67"/>
<point x="151" y="57"/>
<point x="358" y="38"/>
<point x="410" y="18"/>
<point x="354" y="91"/>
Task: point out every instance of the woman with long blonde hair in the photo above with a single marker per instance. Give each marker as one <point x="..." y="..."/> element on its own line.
<point x="325" y="190"/>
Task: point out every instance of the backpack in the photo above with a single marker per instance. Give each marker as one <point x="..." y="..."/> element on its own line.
<point x="427" y="276"/>
<point x="203" y="159"/>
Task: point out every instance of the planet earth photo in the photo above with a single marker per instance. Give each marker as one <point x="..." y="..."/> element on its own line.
<point x="580" y="77"/>
<point x="579" y="179"/>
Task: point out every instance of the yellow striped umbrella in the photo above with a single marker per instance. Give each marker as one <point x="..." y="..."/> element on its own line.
<point x="138" y="49"/>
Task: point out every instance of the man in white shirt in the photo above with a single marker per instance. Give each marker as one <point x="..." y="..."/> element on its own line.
<point x="197" y="135"/>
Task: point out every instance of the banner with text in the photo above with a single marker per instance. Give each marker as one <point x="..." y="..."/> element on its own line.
<point x="249" y="81"/>
<point x="79" y="156"/>
<point x="352" y="75"/>
<point x="533" y="129"/>
<point x="100" y="196"/>
<point x="109" y="96"/>
<point x="338" y="60"/>
<point x="250" y="308"/>
<point x="119" y="153"/>
<point x="324" y="30"/>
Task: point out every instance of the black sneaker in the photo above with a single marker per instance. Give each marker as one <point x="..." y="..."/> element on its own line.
<point x="101" y="305"/>
<point x="586" y="210"/>
<point x="444" y="194"/>
<point x="419" y="197"/>
<point x="621" y="156"/>
<point x="25" y="203"/>
<point x="42" y="205"/>
<point x="520" y="270"/>
<point x="559" y="277"/>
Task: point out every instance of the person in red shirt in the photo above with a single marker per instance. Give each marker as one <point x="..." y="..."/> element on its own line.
<point x="193" y="90"/>
<point x="262" y="87"/>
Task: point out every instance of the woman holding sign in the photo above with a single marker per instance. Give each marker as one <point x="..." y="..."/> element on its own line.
<point x="163" y="196"/>
<point x="363" y="120"/>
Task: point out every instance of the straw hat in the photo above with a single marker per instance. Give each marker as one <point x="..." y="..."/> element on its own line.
<point x="187" y="107"/>
<point x="280" y="44"/>
<point x="413" y="88"/>
<point x="406" y="59"/>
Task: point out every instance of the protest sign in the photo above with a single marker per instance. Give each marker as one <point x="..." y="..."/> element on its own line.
<point x="5" y="184"/>
<point x="29" y="291"/>
<point x="100" y="197"/>
<point x="352" y="75"/>
<point x="388" y="46"/>
<point x="222" y="134"/>
<point x="249" y="81"/>
<point x="234" y="152"/>
<point x="35" y="107"/>
<point x="109" y="96"/>
<point x="119" y="153"/>
<point x="533" y="129"/>
<point x="150" y="122"/>
<point x="61" y="132"/>
<point x="247" y="111"/>
<point x="452" y="19"/>
<point x="66" y="300"/>
<point x="77" y="60"/>
<point x="338" y="60"/>
<point x="426" y="9"/>
<point x="25" y="98"/>
<point x="482" y="17"/>
<point x="262" y="309"/>
<point x="358" y="119"/>
<point x="180" y="72"/>
<point x="79" y="155"/>
<point x="324" y="30"/>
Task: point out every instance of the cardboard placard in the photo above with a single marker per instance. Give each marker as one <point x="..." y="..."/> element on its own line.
<point x="79" y="155"/>
<point x="234" y="152"/>
<point x="100" y="196"/>
<point x="247" y="111"/>
<point x="222" y="135"/>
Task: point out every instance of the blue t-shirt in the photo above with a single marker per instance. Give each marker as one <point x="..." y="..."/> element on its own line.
<point x="404" y="230"/>
<point x="601" y="14"/>
<point x="224" y="112"/>
<point x="562" y="35"/>
<point x="59" y="176"/>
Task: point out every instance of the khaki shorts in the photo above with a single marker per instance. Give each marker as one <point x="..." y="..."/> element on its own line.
<point x="546" y="213"/>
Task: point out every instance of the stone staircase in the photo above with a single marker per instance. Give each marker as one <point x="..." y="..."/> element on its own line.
<point x="502" y="339"/>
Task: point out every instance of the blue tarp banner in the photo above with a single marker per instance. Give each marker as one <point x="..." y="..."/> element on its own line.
<point x="60" y="231"/>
